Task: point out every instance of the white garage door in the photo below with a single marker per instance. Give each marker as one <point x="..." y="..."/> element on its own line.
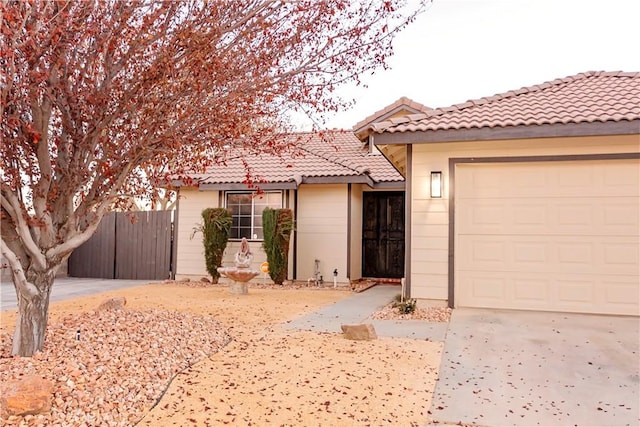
<point x="559" y="236"/>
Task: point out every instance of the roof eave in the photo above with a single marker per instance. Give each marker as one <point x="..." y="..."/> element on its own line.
<point x="291" y="185"/>
<point x="627" y="127"/>
<point x="389" y="185"/>
<point x="239" y="186"/>
<point x="350" y="179"/>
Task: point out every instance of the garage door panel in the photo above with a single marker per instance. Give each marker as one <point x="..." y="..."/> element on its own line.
<point x="617" y="291"/>
<point x="534" y="291"/>
<point x="499" y="290"/>
<point x="535" y="254"/>
<point x="598" y="294"/>
<point x="584" y="293"/>
<point x="571" y="243"/>
<point x="621" y="216"/>
<point x="604" y="217"/>
<point x="496" y="253"/>
<point x="586" y="177"/>
<point x="575" y="292"/>
<point x="623" y="179"/>
<point x="622" y="256"/>
<point x="488" y="288"/>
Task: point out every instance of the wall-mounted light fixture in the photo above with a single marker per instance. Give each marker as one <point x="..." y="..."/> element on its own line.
<point x="436" y="184"/>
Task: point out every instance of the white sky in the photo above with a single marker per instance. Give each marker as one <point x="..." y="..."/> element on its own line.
<point x="467" y="49"/>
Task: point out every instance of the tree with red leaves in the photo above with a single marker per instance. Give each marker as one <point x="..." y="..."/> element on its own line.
<point x="104" y="99"/>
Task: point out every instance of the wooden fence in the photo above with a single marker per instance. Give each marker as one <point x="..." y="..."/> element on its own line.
<point x="125" y="249"/>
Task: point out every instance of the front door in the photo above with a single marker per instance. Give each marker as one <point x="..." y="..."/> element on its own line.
<point x="383" y="234"/>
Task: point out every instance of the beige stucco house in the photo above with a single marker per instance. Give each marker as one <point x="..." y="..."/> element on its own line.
<point x="535" y="202"/>
<point x="347" y="200"/>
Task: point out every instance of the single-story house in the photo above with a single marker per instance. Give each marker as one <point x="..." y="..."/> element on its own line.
<point x="528" y="199"/>
<point x="347" y="200"/>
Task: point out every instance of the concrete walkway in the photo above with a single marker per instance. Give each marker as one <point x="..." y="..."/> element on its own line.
<point x="68" y="287"/>
<point x="515" y="368"/>
<point x="358" y="308"/>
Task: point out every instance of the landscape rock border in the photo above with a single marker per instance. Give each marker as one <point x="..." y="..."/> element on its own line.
<point x="428" y="314"/>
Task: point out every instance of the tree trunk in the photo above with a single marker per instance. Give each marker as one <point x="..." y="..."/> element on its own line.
<point x="33" y="312"/>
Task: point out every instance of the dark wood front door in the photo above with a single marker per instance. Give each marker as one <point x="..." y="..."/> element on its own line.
<point x="383" y="234"/>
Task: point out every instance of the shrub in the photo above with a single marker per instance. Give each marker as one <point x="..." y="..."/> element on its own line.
<point x="215" y="234"/>
<point x="404" y="306"/>
<point x="277" y="225"/>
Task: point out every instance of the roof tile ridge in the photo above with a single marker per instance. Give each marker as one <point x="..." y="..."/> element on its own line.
<point x="403" y="100"/>
<point x="335" y="159"/>
<point x="469" y="104"/>
<point x="632" y="74"/>
<point x="619" y="73"/>
<point x="510" y="94"/>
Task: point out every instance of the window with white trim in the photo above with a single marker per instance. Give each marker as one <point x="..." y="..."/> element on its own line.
<point x="246" y="209"/>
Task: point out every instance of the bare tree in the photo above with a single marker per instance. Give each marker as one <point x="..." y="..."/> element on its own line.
<point x="100" y="97"/>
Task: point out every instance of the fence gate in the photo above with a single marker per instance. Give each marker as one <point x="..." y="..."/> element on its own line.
<point x="122" y="249"/>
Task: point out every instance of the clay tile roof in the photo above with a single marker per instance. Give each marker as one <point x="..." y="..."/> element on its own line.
<point x="403" y="103"/>
<point x="584" y="98"/>
<point x="337" y="154"/>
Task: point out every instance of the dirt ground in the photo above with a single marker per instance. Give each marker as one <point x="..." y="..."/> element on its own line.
<point x="271" y="376"/>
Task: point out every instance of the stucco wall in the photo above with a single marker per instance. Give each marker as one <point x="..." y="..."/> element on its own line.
<point x="190" y="252"/>
<point x="322" y="223"/>
<point x="430" y="217"/>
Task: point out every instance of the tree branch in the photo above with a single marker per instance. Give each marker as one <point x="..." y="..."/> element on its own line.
<point x="12" y="206"/>
<point x="17" y="271"/>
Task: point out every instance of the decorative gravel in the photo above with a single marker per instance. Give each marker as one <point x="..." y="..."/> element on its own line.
<point x="120" y="367"/>
<point x="267" y="284"/>
<point x="428" y="314"/>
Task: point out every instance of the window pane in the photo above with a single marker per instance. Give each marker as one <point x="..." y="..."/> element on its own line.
<point x="245" y="232"/>
<point x="246" y="211"/>
<point x="244" y="198"/>
<point x="234" y="233"/>
<point x="258" y="231"/>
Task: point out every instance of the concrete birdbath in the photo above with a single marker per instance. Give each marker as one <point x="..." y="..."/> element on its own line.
<point x="241" y="274"/>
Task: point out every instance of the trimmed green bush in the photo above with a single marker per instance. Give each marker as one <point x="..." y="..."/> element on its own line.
<point x="277" y="225"/>
<point x="215" y="234"/>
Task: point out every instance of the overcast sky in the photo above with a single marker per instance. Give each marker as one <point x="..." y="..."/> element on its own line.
<point x="466" y="49"/>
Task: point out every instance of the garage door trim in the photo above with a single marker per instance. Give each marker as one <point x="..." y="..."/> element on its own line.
<point x="518" y="159"/>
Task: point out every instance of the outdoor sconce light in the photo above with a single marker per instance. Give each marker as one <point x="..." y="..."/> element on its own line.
<point x="436" y="184"/>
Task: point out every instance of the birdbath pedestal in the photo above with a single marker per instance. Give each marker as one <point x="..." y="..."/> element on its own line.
<point x="241" y="274"/>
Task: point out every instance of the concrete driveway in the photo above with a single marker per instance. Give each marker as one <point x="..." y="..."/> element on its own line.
<point x="67" y="288"/>
<point x="520" y="368"/>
